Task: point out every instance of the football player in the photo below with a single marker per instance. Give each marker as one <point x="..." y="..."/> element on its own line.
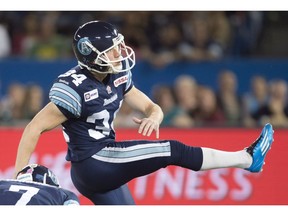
<point x="35" y="185"/>
<point x="85" y="101"/>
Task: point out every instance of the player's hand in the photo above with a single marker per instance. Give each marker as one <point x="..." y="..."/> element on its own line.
<point x="147" y="126"/>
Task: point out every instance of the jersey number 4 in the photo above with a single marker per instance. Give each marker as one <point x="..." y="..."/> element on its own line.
<point x="77" y="78"/>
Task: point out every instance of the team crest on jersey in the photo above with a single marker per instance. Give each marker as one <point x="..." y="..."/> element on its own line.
<point x="108" y="89"/>
<point x="88" y="96"/>
<point x="82" y="46"/>
<point x="120" y="80"/>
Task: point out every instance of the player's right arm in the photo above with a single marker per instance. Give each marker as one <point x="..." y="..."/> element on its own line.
<point x="153" y="112"/>
<point x="47" y="119"/>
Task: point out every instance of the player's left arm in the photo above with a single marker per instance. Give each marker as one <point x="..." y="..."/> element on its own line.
<point x="141" y="102"/>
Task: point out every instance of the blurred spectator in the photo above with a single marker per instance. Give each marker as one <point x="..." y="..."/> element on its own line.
<point x="275" y="111"/>
<point x="254" y="99"/>
<point x="135" y="31"/>
<point x="174" y="116"/>
<point x="228" y="99"/>
<point x="34" y="101"/>
<point x="208" y="113"/>
<point x="220" y="28"/>
<point x="12" y="105"/>
<point x="185" y="87"/>
<point x="164" y="37"/>
<point x="25" y="39"/>
<point x="5" y="45"/>
<point x="246" y="27"/>
<point x="50" y="45"/>
<point x="199" y="45"/>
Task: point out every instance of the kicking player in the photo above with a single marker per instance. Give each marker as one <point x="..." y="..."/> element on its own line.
<point x="85" y="100"/>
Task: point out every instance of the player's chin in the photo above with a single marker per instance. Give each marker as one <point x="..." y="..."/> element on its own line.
<point x="118" y="66"/>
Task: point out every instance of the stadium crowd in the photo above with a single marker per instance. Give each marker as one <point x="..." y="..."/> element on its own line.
<point x="160" y="38"/>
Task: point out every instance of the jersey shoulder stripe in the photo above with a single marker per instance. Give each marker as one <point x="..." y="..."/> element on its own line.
<point x="66" y="97"/>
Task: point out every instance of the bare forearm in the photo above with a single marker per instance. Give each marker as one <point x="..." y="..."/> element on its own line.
<point x="155" y="112"/>
<point x="26" y="147"/>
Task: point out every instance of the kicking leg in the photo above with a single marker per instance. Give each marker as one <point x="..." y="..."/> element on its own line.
<point x="251" y="158"/>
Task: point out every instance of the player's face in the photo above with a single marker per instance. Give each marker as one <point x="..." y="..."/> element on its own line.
<point x="114" y="56"/>
<point x="114" y="53"/>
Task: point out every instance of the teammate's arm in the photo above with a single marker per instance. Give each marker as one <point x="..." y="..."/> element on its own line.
<point x="154" y="115"/>
<point x="48" y="118"/>
<point x="71" y="199"/>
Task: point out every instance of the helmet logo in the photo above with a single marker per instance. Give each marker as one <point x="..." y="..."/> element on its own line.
<point x="83" y="48"/>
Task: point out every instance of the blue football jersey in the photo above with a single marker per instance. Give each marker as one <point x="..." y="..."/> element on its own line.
<point x="91" y="107"/>
<point x="15" y="192"/>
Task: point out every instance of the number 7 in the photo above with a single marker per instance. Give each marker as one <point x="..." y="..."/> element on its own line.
<point x="26" y="197"/>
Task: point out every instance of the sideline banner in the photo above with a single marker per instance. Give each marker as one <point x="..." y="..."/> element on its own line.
<point x="175" y="185"/>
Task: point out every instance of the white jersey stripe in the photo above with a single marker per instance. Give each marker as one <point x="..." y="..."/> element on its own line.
<point x="131" y="159"/>
<point x="140" y="146"/>
<point x="133" y="153"/>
